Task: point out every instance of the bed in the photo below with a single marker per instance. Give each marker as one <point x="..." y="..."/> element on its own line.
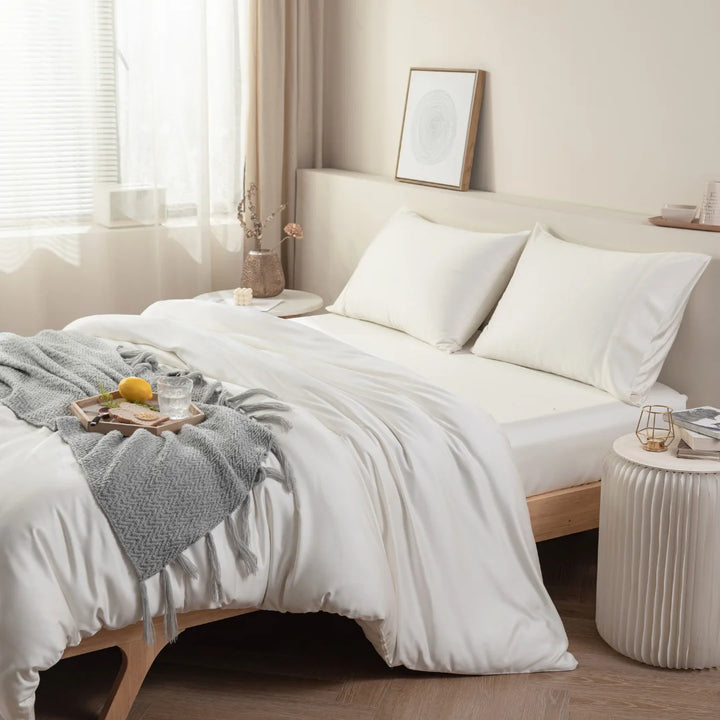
<point x="342" y="211"/>
<point x="364" y="532"/>
<point x="70" y="590"/>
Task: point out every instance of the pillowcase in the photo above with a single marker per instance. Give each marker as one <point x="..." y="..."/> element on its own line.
<point x="602" y="317"/>
<point x="434" y="282"/>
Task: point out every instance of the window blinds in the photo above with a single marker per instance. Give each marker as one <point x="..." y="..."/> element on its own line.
<point x="58" y="129"/>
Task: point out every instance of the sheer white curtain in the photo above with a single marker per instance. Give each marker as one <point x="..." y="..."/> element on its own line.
<point x="133" y="92"/>
<point x="179" y="95"/>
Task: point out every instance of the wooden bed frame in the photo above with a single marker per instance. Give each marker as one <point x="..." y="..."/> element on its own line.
<point x="137" y="657"/>
<point x="565" y="511"/>
<point x="552" y="514"/>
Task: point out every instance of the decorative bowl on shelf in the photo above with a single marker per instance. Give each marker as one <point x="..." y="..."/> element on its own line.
<point x="681" y="213"/>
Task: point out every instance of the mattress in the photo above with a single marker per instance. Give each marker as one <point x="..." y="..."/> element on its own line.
<point x="559" y="429"/>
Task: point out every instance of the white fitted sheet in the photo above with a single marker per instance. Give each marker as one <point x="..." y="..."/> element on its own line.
<point x="559" y="429"/>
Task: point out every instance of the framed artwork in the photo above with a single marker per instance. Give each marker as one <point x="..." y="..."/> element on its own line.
<point x="437" y="143"/>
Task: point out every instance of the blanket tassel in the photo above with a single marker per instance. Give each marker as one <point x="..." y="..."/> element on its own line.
<point x="187" y="566"/>
<point x="262" y="407"/>
<point x="171" y="626"/>
<point x="148" y="629"/>
<point x="274" y="474"/>
<point x="216" y="587"/>
<point x="242" y="397"/>
<point x="247" y="560"/>
<point x="269" y="419"/>
<point x="287" y="479"/>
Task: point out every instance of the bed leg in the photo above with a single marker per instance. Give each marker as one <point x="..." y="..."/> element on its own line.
<point x="137" y="657"/>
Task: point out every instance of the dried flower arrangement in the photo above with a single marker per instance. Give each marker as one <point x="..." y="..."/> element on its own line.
<point x="252" y="226"/>
<point x="292" y="230"/>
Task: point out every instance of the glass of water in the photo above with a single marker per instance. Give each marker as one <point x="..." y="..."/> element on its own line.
<point x="174" y="395"/>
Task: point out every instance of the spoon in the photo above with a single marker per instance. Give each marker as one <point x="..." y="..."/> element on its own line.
<point x="102" y="412"/>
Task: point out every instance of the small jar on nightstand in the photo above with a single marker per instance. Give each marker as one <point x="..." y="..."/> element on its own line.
<point x="658" y="582"/>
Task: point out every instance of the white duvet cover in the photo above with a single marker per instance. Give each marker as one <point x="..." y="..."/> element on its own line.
<point x="559" y="429"/>
<point x="407" y="514"/>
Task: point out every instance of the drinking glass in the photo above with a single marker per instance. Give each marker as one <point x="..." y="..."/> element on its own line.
<point x="174" y="395"/>
<point x="710" y="208"/>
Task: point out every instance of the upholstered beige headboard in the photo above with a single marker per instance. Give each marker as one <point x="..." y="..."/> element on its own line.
<point x="342" y="211"/>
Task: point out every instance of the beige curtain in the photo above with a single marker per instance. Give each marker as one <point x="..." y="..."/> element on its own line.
<point x="282" y="82"/>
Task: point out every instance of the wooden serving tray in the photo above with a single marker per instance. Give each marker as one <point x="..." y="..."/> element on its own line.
<point x="87" y="408"/>
<point x="662" y="222"/>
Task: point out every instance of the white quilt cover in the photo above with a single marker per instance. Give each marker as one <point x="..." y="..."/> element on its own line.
<point x="408" y="514"/>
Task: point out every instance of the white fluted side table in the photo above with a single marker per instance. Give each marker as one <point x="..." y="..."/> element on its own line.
<point x="658" y="582"/>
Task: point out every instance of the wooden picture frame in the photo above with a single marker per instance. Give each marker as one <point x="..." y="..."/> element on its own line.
<point x="439" y="129"/>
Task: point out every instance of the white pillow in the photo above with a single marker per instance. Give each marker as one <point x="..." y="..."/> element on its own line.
<point x="434" y="282"/>
<point x="603" y="317"/>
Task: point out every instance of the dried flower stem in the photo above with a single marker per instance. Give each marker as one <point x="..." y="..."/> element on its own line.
<point x="248" y="216"/>
<point x="291" y="230"/>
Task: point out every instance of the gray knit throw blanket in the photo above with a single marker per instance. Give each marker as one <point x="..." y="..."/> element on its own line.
<point x="160" y="493"/>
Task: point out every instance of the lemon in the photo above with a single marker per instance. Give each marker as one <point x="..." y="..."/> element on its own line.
<point x="135" y="389"/>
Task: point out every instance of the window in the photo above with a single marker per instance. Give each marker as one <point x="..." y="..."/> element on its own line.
<point x="138" y="92"/>
<point x="58" y="129"/>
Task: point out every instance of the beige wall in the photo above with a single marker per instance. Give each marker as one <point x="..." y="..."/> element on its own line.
<point x="612" y="103"/>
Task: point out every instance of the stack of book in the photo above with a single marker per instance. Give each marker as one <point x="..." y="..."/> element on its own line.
<point x="699" y="430"/>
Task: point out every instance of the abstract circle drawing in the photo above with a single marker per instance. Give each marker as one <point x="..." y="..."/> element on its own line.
<point x="433" y="127"/>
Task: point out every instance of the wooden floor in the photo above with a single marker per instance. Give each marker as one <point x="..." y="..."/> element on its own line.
<point x="269" y="666"/>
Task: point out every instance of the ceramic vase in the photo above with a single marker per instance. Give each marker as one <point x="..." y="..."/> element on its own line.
<point x="262" y="271"/>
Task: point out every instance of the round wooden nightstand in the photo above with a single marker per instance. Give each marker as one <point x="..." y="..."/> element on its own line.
<point x="658" y="581"/>
<point x="290" y="303"/>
